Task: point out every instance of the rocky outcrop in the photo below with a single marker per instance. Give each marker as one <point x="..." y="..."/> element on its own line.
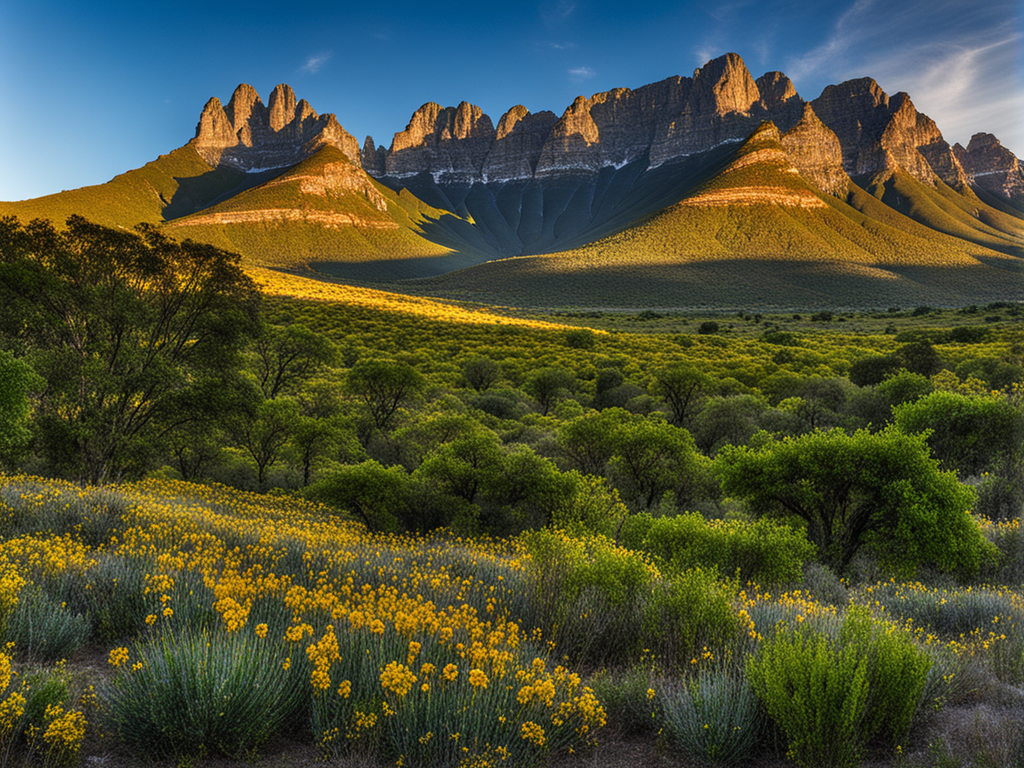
<point x="451" y="143"/>
<point x="779" y="100"/>
<point x="879" y="134"/>
<point x="992" y="167"/>
<point x="816" y="153"/>
<point x="250" y="136"/>
<point x="517" y="145"/>
<point x="658" y="123"/>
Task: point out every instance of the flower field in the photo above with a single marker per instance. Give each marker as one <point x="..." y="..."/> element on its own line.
<point x="227" y="619"/>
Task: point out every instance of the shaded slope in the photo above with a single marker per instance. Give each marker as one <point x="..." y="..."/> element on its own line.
<point x="756" y="235"/>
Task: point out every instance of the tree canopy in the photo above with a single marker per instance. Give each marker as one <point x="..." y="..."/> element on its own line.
<point x="881" y="489"/>
<point x="122" y="326"/>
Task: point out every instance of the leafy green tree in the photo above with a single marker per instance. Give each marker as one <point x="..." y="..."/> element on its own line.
<point x="120" y="325"/>
<point x="265" y="431"/>
<point x="683" y="388"/>
<point x="586" y="443"/>
<point x="549" y="385"/>
<point x="728" y="421"/>
<point x="17" y="380"/>
<point x="287" y="355"/>
<point x="480" y="372"/>
<point x="384" y="386"/>
<point x="970" y="434"/>
<point x="651" y="458"/>
<point x="380" y="497"/>
<point x="882" y="489"/>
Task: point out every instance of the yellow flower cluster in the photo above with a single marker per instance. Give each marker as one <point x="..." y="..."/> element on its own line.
<point x="323" y="653"/>
<point x="397" y="678"/>
<point x="65" y="731"/>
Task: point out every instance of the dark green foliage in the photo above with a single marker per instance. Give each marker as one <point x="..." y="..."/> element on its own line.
<point x="920" y="357"/>
<point x="383" y="385"/>
<point x="17" y="379"/>
<point x="880" y="489"/>
<point x="581" y="338"/>
<point x="708" y="327"/>
<point x="285" y="356"/>
<point x="378" y="496"/>
<point x="122" y="326"/>
<point x="683" y="388"/>
<point x="480" y="372"/>
<point x="549" y="385"/>
<point x="874" y="369"/>
<point x="971" y="434"/>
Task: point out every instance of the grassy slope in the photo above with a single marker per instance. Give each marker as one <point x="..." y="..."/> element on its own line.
<point x="860" y="252"/>
<point x="298" y="243"/>
<point x="175" y="184"/>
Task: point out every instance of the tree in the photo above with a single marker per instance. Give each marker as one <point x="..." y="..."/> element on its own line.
<point x="881" y="489"/>
<point x="17" y="380"/>
<point x="650" y="458"/>
<point x="379" y="497"/>
<point x="548" y="385"/>
<point x="383" y="385"/>
<point x="971" y="434"/>
<point x="265" y="431"/>
<point x="120" y="325"/>
<point x="683" y="388"/>
<point x="288" y="355"/>
<point x="480" y="372"/>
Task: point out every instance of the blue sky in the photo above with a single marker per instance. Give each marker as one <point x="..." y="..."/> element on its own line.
<point x="94" y="89"/>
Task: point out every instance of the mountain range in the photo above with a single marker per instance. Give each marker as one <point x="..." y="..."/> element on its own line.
<point x="716" y="190"/>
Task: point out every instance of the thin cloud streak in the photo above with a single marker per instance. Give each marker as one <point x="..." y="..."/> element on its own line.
<point x="578" y="74"/>
<point x="316" y="62"/>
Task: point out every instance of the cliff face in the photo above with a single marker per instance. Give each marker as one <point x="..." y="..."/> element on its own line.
<point x="992" y="167"/>
<point x="659" y="123"/>
<point x="248" y="135"/>
<point x="853" y="129"/>
<point x="878" y="134"/>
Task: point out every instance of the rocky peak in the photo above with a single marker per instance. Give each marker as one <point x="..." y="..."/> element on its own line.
<point x="282" y="107"/>
<point x="250" y="136"/>
<point x="776" y="89"/>
<point x="245" y="108"/>
<point x="816" y="153"/>
<point x="724" y="85"/>
<point x="518" y="143"/>
<point x="452" y="142"/>
<point x="992" y="167"/>
<point x="879" y="134"/>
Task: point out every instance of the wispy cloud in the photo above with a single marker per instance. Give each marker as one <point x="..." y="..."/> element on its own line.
<point x="958" y="61"/>
<point x="579" y="74"/>
<point x="315" y="62"/>
<point x="849" y="29"/>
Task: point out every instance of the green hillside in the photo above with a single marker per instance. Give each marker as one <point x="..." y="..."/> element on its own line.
<point x="322" y="211"/>
<point x="175" y="184"/>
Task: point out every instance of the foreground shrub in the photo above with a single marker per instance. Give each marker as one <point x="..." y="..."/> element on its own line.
<point x="189" y="693"/>
<point x="832" y="695"/>
<point x="714" y="717"/>
<point x="37" y="720"/>
<point x="763" y="551"/>
<point x="43" y="629"/>
<point x="420" y="711"/>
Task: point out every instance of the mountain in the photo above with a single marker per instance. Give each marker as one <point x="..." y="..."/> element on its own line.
<point x="628" y="198"/>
